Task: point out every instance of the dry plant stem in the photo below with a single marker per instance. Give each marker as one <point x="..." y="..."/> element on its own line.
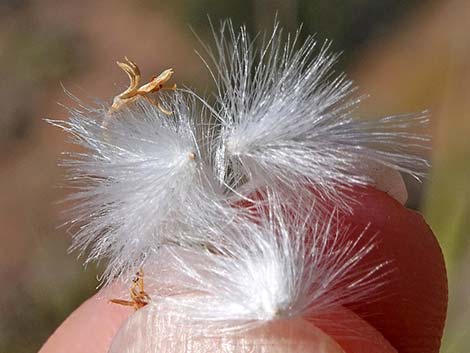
<point x="133" y="92"/>
<point x="139" y="298"/>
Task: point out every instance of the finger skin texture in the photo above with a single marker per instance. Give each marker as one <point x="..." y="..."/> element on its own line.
<point x="161" y="333"/>
<point x="411" y="311"/>
<point x="96" y="324"/>
<point x="90" y="328"/>
<point x="93" y="327"/>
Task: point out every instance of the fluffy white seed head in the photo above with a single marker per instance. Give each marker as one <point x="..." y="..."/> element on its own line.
<point x="265" y="267"/>
<point x="287" y="119"/>
<point x="141" y="177"/>
<point x="172" y="191"/>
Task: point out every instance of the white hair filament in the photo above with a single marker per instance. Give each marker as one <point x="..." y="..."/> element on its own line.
<point x="264" y="267"/>
<point x="141" y="177"/>
<point x="287" y="119"/>
<point x="220" y="212"/>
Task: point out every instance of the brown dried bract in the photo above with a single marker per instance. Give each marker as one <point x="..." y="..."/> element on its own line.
<point x="133" y="92"/>
<point x="139" y="298"/>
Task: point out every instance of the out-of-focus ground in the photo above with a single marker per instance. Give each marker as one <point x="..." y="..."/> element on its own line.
<point x="409" y="55"/>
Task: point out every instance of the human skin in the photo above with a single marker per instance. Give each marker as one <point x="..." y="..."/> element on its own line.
<point x="93" y="325"/>
<point x="408" y="317"/>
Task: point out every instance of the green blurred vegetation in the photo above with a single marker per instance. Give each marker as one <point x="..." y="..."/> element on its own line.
<point x="447" y="209"/>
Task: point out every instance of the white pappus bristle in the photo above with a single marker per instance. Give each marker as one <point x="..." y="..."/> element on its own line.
<point x="142" y="176"/>
<point x="266" y="267"/>
<point x="287" y="118"/>
<point x="233" y="208"/>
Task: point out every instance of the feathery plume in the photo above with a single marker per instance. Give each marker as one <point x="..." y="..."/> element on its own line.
<point x="142" y="176"/>
<point x="160" y="185"/>
<point x="288" y="120"/>
<point x="264" y="267"/>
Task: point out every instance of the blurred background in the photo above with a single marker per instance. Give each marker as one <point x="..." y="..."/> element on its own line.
<point x="409" y="55"/>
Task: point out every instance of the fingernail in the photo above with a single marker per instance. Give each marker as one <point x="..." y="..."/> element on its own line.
<point x="385" y="179"/>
